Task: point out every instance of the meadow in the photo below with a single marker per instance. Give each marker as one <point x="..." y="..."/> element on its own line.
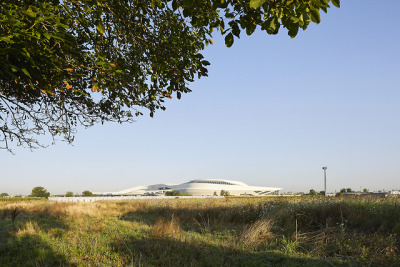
<point x="274" y="231"/>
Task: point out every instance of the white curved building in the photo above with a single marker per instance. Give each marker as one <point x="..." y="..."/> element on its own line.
<point x="201" y="187"/>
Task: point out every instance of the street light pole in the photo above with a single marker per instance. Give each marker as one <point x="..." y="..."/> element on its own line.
<point x="324" y="168"/>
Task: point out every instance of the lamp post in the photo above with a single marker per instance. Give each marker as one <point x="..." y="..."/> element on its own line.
<point x="324" y="168"/>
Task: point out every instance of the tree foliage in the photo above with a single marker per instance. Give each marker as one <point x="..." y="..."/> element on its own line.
<point x="175" y="193"/>
<point x="224" y="193"/>
<point x="69" y="194"/>
<point x="40" y="191"/>
<point x="3" y="195"/>
<point x="79" y="62"/>
<point x="87" y="193"/>
<point x="312" y="192"/>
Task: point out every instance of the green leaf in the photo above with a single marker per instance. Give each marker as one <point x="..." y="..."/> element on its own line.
<point x="256" y="3"/>
<point x="293" y="25"/>
<point x="294" y="20"/>
<point x="271" y="25"/>
<point x="250" y="29"/>
<point x="47" y="35"/>
<point x="26" y="52"/>
<point x="64" y="26"/>
<point x="336" y="3"/>
<point x="229" y="40"/>
<point x="26" y="72"/>
<point x="6" y="39"/>
<point x="100" y="28"/>
<point x="306" y="17"/>
<point x="174" y="5"/>
<point x="57" y="37"/>
<point x="315" y="17"/>
<point x="235" y="28"/>
<point x="30" y="13"/>
<point x="293" y="30"/>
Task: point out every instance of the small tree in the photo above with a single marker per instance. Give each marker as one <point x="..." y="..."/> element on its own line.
<point x="348" y="190"/>
<point x="313" y="192"/>
<point x="87" y="193"/>
<point x="40" y="191"/>
<point x="215" y="193"/>
<point x="365" y="190"/>
<point x="224" y="193"/>
<point x="3" y="195"/>
<point x="343" y="190"/>
<point x="69" y="194"/>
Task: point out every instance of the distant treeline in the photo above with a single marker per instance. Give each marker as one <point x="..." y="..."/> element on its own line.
<point x="12" y="199"/>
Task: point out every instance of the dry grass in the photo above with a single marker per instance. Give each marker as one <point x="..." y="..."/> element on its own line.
<point x="257" y="234"/>
<point x="164" y="228"/>
<point x="29" y="228"/>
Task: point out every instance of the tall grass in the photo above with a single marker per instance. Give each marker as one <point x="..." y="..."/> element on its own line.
<point x="214" y="232"/>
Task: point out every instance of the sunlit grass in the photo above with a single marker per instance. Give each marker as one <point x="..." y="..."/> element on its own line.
<point x="214" y="232"/>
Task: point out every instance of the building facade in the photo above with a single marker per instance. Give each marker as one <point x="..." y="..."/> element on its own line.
<point x="201" y="187"/>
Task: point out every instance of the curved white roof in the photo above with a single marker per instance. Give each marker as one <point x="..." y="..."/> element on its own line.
<point x="216" y="181"/>
<point x="201" y="187"/>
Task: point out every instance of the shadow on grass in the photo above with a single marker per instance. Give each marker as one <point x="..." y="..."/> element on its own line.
<point x="235" y="215"/>
<point x="29" y="248"/>
<point x="169" y="251"/>
<point x="172" y="252"/>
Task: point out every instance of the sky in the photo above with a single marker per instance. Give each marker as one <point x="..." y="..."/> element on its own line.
<point x="272" y="112"/>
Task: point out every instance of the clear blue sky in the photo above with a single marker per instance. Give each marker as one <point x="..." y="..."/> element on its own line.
<point x="272" y="112"/>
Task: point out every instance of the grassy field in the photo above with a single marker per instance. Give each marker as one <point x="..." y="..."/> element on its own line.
<point x="202" y="232"/>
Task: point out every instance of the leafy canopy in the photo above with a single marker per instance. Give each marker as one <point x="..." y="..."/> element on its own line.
<point x="87" y="193"/>
<point x="224" y="193"/>
<point x="40" y="191"/>
<point x="79" y="62"/>
<point x="313" y="192"/>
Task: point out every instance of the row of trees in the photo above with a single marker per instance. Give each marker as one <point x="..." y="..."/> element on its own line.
<point x="177" y="193"/>
<point x="40" y="191"/>
<point x="85" y="193"/>
<point x="342" y="191"/>
<point x="223" y="193"/>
